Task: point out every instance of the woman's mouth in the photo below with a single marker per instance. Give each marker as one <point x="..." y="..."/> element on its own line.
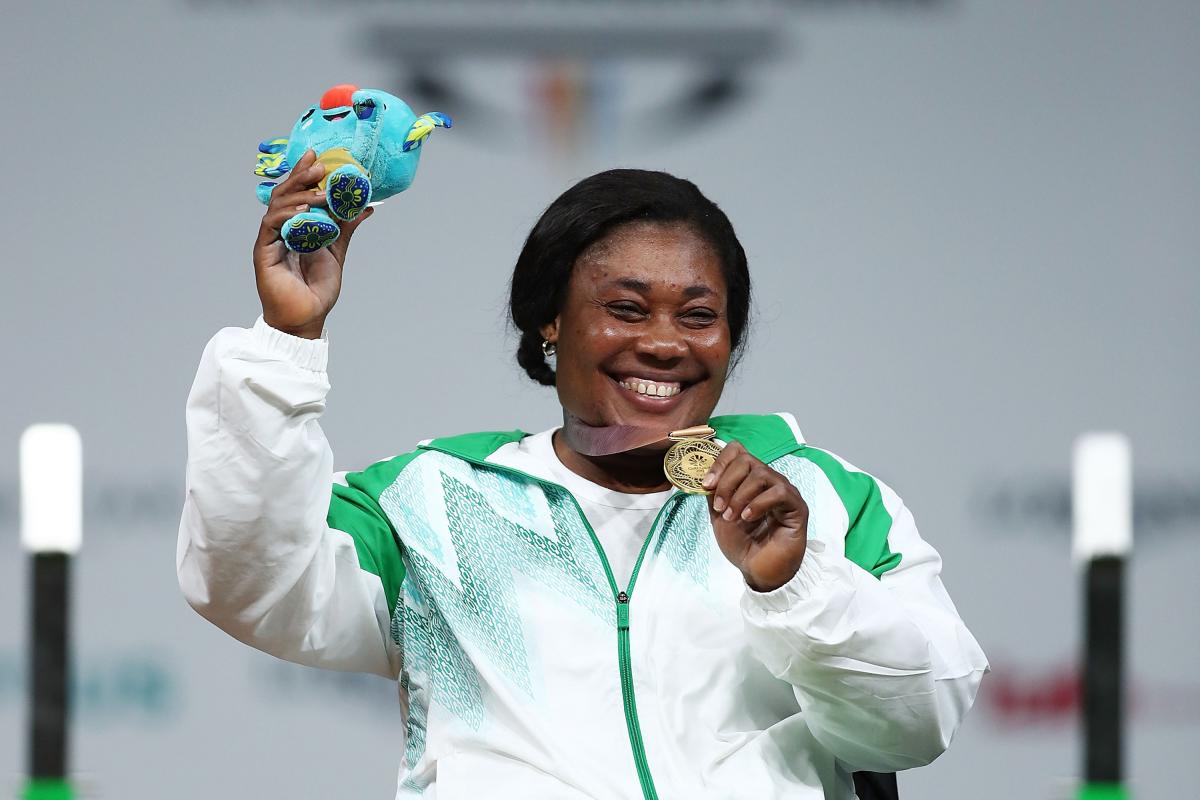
<point x="649" y="387"/>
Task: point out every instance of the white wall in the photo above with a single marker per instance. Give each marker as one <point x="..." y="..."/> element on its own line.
<point x="973" y="232"/>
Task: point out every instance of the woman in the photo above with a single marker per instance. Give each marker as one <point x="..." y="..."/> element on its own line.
<point x="562" y="622"/>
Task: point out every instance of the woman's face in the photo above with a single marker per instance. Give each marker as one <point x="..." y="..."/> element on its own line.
<point x="643" y="336"/>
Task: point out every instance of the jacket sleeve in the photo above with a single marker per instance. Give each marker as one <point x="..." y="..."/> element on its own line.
<point x="257" y="555"/>
<point x="883" y="667"/>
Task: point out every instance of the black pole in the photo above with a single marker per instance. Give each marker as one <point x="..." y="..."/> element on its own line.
<point x="1103" y="668"/>
<point x="49" y="639"/>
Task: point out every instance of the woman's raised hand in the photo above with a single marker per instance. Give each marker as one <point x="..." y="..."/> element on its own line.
<point x="759" y="518"/>
<point x="298" y="290"/>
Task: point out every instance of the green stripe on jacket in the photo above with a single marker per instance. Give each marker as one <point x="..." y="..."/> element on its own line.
<point x="354" y="509"/>
<point x="768" y="437"/>
<point x="870" y="522"/>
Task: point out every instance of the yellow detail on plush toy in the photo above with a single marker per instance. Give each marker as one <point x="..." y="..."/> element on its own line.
<point x="337" y="157"/>
<point x="270" y="156"/>
<point x="421" y="128"/>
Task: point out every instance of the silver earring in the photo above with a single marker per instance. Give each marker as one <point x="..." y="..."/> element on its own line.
<point x="549" y="348"/>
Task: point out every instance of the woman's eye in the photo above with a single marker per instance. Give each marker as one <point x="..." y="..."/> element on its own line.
<point x="624" y="309"/>
<point x="700" y="316"/>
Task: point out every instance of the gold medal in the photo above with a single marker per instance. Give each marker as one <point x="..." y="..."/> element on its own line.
<point x="690" y="458"/>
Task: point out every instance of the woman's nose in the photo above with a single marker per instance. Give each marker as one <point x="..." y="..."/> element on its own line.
<point x="663" y="341"/>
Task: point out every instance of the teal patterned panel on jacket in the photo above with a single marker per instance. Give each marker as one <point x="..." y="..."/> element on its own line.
<point x="467" y="532"/>
<point x="686" y="539"/>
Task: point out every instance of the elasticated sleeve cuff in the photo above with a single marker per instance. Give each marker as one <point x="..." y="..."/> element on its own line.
<point x="810" y="580"/>
<point x="310" y="354"/>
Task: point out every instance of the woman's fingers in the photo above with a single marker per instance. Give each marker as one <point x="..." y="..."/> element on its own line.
<point x="268" y="228"/>
<point x="272" y="222"/>
<point x="759" y="518"/>
<point x="744" y="488"/>
<point x="283" y="209"/>
<point x="300" y="186"/>
<point x="301" y="176"/>
<point x="726" y="475"/>
<point x="306" y="160"/>
<point x="309" y="177"/>
<point x="726" y="457"/>
<point x="294" y="195"/>
<point x="309" y="197"/>
<point x="758" y="479"/>
<point x="274" y="218"/>
<point x="777" y="496"/>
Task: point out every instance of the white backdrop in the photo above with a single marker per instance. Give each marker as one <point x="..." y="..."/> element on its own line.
<point x="973" y="232"/>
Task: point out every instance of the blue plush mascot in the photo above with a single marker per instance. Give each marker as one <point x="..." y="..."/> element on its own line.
<point x="370" y="143"/>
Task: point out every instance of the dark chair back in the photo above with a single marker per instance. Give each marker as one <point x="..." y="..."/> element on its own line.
<point x="876" y="786"/>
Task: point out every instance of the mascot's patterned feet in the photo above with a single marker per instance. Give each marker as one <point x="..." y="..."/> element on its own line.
<point x="348" y="191"/>
<point x="309" y="232"/>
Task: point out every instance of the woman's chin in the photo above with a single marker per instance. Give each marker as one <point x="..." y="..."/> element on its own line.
<point x="659" y="413"/>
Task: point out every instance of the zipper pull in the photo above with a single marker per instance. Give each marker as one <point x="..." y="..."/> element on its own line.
<point x="622" y="611"/>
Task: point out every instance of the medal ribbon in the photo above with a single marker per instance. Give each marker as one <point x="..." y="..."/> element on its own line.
<point x="685" y="463"/>
<point x="606" y="440"/>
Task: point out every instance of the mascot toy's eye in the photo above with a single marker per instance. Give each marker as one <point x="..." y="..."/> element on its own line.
<point x="367" y="158"/>
<point x="365" y="109"/>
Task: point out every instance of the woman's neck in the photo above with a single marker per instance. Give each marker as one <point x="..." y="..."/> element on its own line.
<point x="634" y="472"/>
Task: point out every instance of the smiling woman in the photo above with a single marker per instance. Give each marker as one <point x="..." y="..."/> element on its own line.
<point x="790" y="626"/>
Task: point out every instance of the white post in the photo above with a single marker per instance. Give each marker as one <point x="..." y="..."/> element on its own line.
<point x="52" y="532"/>
<point x="1102" y="518"/>
<point x="1101" y="496"/>
<point x="51" y="489"/>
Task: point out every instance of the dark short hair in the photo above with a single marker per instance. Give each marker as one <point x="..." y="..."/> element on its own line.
<point x="585" y="214"/>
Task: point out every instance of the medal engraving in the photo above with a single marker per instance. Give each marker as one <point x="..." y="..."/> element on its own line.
<point x="688" y="461"/>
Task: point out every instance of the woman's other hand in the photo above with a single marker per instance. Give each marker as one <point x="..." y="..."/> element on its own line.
<point x="298" y="290"/>
<point x="759" y="518"/>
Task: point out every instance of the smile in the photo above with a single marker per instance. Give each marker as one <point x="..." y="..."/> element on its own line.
<point x="650" y="388"/>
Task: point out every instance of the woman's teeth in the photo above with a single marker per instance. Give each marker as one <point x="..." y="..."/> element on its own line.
<point x="652" y="388"/>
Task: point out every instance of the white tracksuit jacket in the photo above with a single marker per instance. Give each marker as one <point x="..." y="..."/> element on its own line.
<point x="524" y="671"/>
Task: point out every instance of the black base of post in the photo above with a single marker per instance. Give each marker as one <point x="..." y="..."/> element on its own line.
<point x="1103" y="679"/>
<point x="49" y="638"/>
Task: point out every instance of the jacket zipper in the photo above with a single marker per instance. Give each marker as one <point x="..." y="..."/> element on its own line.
<point x="624" y="659"/>
<point x="630" y="703"/>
